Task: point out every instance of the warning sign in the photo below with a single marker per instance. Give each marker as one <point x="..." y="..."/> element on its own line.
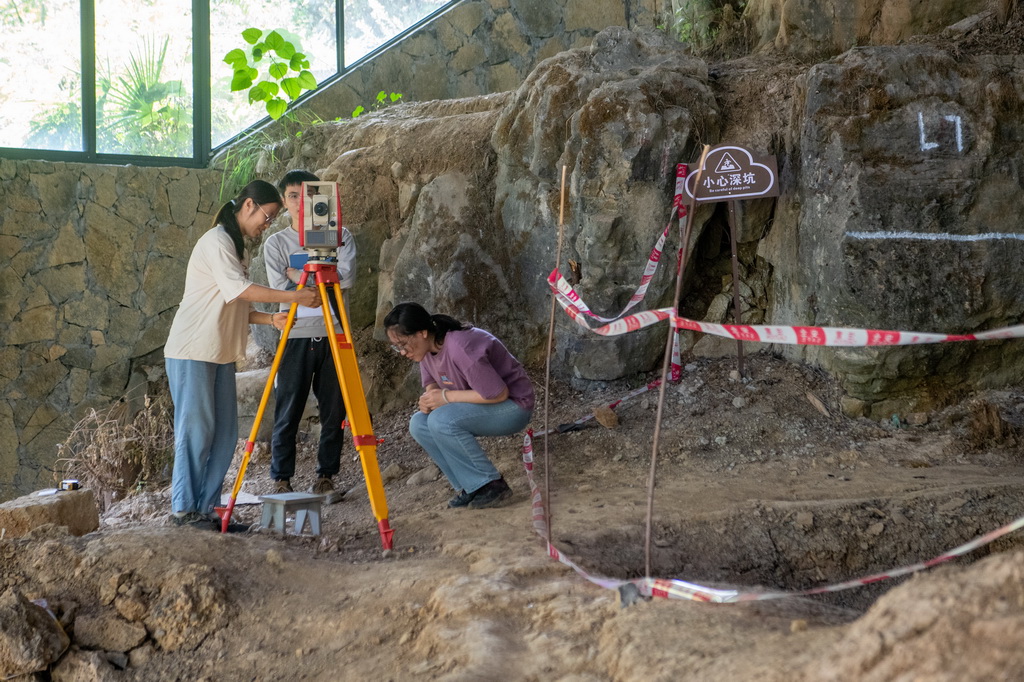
<point x="732" y="172"/>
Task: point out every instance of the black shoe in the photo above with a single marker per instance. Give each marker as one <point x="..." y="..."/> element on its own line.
<point x="460" y="500"/>
<point x="491" y="495"/>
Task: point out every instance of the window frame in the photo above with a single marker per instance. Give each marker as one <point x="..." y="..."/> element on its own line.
<point x="202" y="149"/>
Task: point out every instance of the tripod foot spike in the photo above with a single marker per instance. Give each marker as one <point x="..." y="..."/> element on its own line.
<point x="386" y="535"/>
<point x="225" y="515"/>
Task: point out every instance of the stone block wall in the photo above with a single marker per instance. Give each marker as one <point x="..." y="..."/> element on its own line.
<point x="93" y="267"/>
<point x="480" y="47"/>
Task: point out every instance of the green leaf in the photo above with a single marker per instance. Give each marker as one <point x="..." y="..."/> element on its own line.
<point x="236" y="57"/>
<point x="395" y="96"/>
<point x="285" y="51"/>
<point x="380" y="96"/>
<point x="258" y="93"/>
<point x="251" y="35"/>
<point x="276" y="107"/>
<point x="296" y="61"/>
<point x="241" y="81"/>
<point x="270" y="87"/>
<point x="257" y="53"/>
<point x="358" y="110"/>
<point x="291" y="87"/>
<point x="278" y="70"/>
<point x="307" y="80"/>
<point x="274" y="40"/>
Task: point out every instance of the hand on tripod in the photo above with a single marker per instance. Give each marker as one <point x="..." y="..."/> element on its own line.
<point x="308" y="296"/>
<point x="279" y="321"/>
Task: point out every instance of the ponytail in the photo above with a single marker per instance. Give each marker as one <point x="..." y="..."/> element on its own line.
<point x="443" y="324"/>
<point x="227" y="217"/>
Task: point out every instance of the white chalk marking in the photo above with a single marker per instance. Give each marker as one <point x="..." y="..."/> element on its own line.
<point x="925" y="145"/>
<point x="936" y="236"/>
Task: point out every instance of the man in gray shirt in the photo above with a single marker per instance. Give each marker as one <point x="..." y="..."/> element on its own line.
<point x="307" y="360"/>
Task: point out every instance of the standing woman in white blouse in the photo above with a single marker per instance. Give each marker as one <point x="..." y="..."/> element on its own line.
<point x="208" y="336"/>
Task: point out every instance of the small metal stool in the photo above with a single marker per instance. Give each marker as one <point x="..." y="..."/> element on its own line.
<point x="305" y="505"/>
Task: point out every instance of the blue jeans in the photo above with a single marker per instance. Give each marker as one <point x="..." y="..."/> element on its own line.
<point x="205" y="431"/>
<point x="448" y="434"/>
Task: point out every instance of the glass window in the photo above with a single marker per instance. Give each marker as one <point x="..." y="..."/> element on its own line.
<point x="371" y="23"/>
<point x="40" y="75"/>
<point x="309" y="25"/>
<point x="144" y="90"/>
<point x="144" y="77"/>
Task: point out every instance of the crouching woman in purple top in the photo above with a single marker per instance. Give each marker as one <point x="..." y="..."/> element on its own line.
<point x="472" y="387"/>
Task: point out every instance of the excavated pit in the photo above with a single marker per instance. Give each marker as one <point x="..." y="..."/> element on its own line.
<point x="793" y="546"/>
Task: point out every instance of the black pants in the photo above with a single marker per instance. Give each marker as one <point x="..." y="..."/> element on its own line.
<point x="305" y="363"/>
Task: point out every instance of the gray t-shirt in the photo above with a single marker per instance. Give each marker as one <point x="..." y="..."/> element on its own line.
<point x="277" y="252"/>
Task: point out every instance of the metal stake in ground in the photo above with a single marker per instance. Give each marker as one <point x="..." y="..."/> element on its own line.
<point x="736" y="312"/>
<point x="668" y="358"/>
<point x="547" y="369"/>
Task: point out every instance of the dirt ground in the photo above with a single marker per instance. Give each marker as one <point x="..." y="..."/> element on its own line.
<point x="760" y="484"/>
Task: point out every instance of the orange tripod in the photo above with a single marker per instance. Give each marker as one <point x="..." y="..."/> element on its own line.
<point x="322" y="267"/>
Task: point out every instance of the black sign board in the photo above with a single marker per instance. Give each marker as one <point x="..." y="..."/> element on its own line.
<point x="731" y="173"/>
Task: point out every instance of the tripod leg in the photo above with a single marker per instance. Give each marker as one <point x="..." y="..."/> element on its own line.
<point x="225" y="514"/>
<point x="344" y="355"/>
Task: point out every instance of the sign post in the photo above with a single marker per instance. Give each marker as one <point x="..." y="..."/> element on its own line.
<point x="730" y="173"/>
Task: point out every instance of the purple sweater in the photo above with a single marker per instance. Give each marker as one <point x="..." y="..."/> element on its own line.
<point x="473" y="359"/>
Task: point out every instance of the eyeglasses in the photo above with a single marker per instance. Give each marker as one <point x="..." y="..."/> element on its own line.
<point x="400" y="348"/>
<point x="269" y="219"/>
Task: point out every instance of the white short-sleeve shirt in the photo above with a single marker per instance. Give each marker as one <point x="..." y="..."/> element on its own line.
<point x="212" y="323"/>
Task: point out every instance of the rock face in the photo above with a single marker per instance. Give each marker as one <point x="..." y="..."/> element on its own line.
<point x="619" y="115"/>
<point x="821" y="29"/>
<point x="903" y="215"/>
<point x="867" y="156"/>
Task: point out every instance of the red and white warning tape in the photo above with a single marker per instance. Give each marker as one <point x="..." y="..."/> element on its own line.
<point x="680" y="589"/>
<point x="794" y="335"/>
